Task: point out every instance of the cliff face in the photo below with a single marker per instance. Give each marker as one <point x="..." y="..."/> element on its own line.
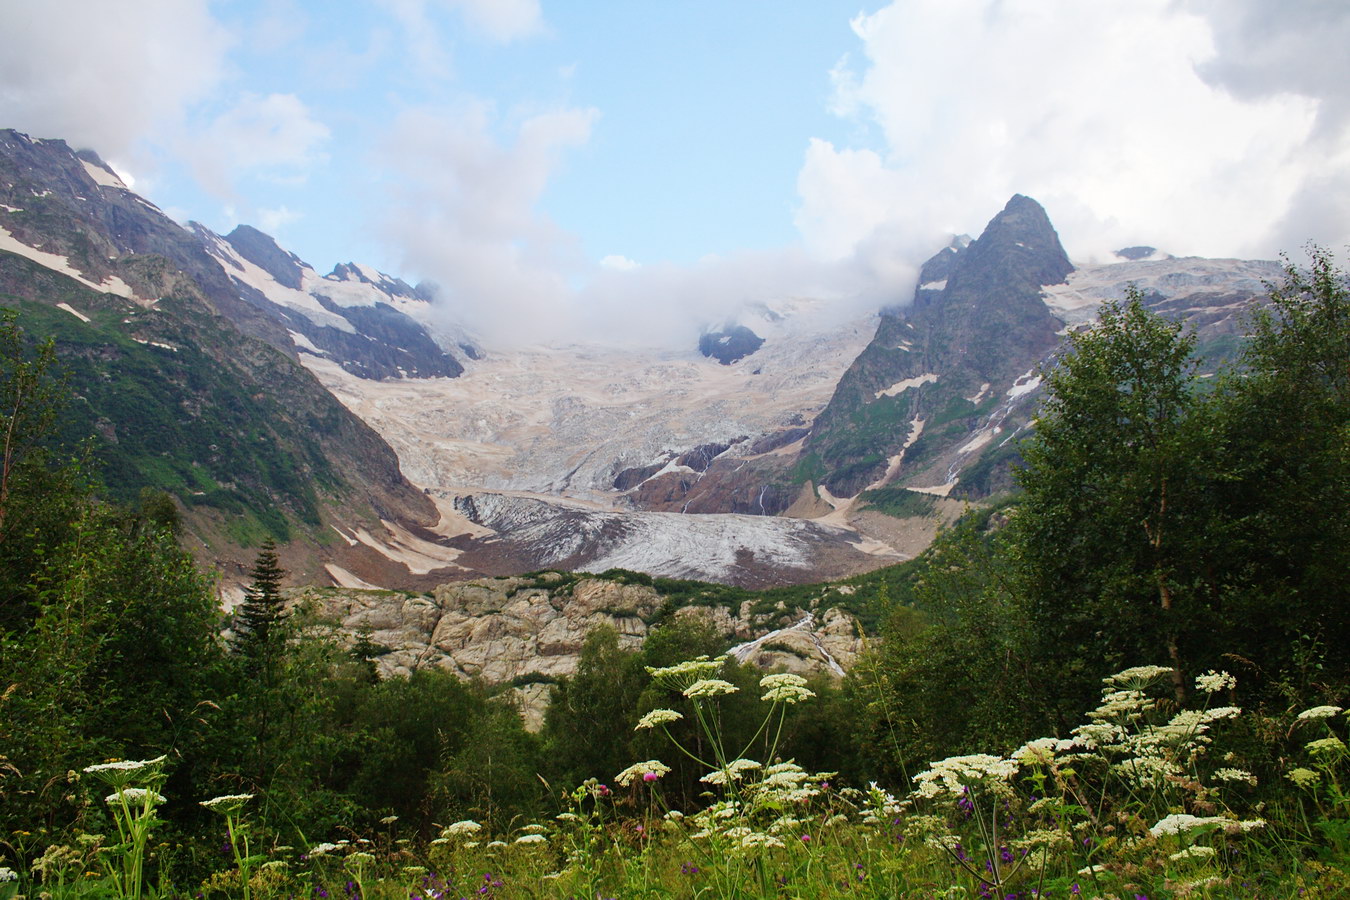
<point x="529" y="631"/>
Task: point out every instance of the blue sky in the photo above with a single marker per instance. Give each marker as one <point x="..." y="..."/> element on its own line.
<point x="539" y="158"/>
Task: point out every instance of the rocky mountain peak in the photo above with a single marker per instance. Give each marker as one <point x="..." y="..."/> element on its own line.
<point x="394" y="287"/>
<point x="1018" y="244"/>
<point x="262" y="250"/>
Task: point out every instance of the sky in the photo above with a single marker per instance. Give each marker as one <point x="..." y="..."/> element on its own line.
<point x="646" y="168"/>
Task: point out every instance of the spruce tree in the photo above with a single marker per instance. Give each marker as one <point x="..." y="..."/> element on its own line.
<point x="260" y="614"/>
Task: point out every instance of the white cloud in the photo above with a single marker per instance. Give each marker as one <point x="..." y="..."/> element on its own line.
<point x="106" y="75"/>
<point x="502" y="21"/>
<point x="273" y="221"/>
<point x="619" y="263"/>
<point x="275" y="136"/>
<point x="1099" y="110"/>
<point x="464" y="215"/>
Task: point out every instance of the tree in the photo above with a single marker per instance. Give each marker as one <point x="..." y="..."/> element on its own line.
<point x="1283" y="423"/>
<point x="260" y="614"/>
<point x="1104" y="540"/>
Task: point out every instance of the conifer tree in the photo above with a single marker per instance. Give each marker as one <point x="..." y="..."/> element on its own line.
<point x="260" y="613"/>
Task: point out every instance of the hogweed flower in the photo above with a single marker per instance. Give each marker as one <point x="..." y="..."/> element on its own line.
<point x="650" y="770"/>
<point x="658" y="717"/>
<point x="135" y="796"/>
<point x="1212" y="682"/>
<point x="322" y="849"/>
<point x="709" y="687"/>
<point x="954" y="774"/>
<point x="1235" y="775"/>
<point x="464" y="826"/>
<point x="1319" y="712"/>
<point x="1326" y="746"/>
<point x="227" y="804"/>
<point x="531" y="839"/>
<point x="785" y="688"/>
<point x="681" y="675"/>
<point x="1138" y="677"/>
<point x="1179" y="823"/>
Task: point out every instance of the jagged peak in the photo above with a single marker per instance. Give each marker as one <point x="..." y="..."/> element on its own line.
<point x="390" y="284"/>
<point x="263" y="251"/>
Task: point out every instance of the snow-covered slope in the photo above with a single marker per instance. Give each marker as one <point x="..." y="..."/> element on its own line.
<point x="369" y="323"/>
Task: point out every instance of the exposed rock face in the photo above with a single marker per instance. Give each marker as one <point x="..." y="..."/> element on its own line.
<point x="529" y="631"/>
<point x="977" y="320"/>
<point x="729" y="344"/>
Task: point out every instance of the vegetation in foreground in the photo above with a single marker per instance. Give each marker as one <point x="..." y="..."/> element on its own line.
<point x="993" y="743"/>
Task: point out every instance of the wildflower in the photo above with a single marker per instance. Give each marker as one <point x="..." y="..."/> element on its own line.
<point x="125" y="765"/>
<point x="1235" y="775"/>
<point x="1177" y="823"/>
<point x="531" y="839"/>
<point x="1319" y="712"/>
<point x="8" y="874"/>
<point x="495" y="844"/>
<point x="652" y="767"/>
<point x="229" y="803"/>
<point x="1193" y="853"/>
<point x="1327" y="746"/>
<point x="1212" y="682"/>
<point x="388" y="820"/>
<point x="415" y="871"/>
<point x="534" y="828"/>
<point x="464" y="826"/>
<point x="836" y="819"/>
<point x="785" y="688"/>
<point x="682" y="675"/>
<point x="134" y="796"/>
<point x="756" y="839"/>
<point x="567" y="817"/>
<point x="1139" y="676"/>
<point x="322" y="849"/>
<point x="709" y="687"/>
<point x="658" y="717"/>
<point x="731" y="771"/>
<point x="955" y="773"/>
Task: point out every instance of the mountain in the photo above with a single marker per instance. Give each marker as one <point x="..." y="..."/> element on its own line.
<point x="790" y="446"/>
<point x="363" y="320"/>
<point x="179" y="380"/>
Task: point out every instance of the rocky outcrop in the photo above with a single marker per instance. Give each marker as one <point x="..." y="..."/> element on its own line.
<point x="730" y="344"/>
<point x="529" y="631"/>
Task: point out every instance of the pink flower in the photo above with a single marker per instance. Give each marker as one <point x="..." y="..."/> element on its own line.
<point x="650" y="776"/>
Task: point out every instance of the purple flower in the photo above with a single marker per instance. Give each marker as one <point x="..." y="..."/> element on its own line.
<point x="650" y="776"/>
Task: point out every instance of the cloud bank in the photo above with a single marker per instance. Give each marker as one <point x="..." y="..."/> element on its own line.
<point x="1203" y="127"/>
<point x="106" y="75"/>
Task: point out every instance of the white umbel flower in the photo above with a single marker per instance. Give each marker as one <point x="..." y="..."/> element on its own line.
<point x="1317" y="712"/>
<point x="659" y="717"/>
<point x="708" y="688"/>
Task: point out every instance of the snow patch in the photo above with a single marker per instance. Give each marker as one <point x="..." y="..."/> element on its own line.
<point x="1025" y="384"/>
<point x="57" y="263"/>
<point x="303" y="343"/>
<point x="73" y="311"/>
<point x="980" y="394"/>
<point x="976" y="442"/>
<point x="940" y="490"/>
<point x="13" y="209"/>
<point x="342" y="578"/>
<point x="103" y="176"/>
<point x="901" y="386"/>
